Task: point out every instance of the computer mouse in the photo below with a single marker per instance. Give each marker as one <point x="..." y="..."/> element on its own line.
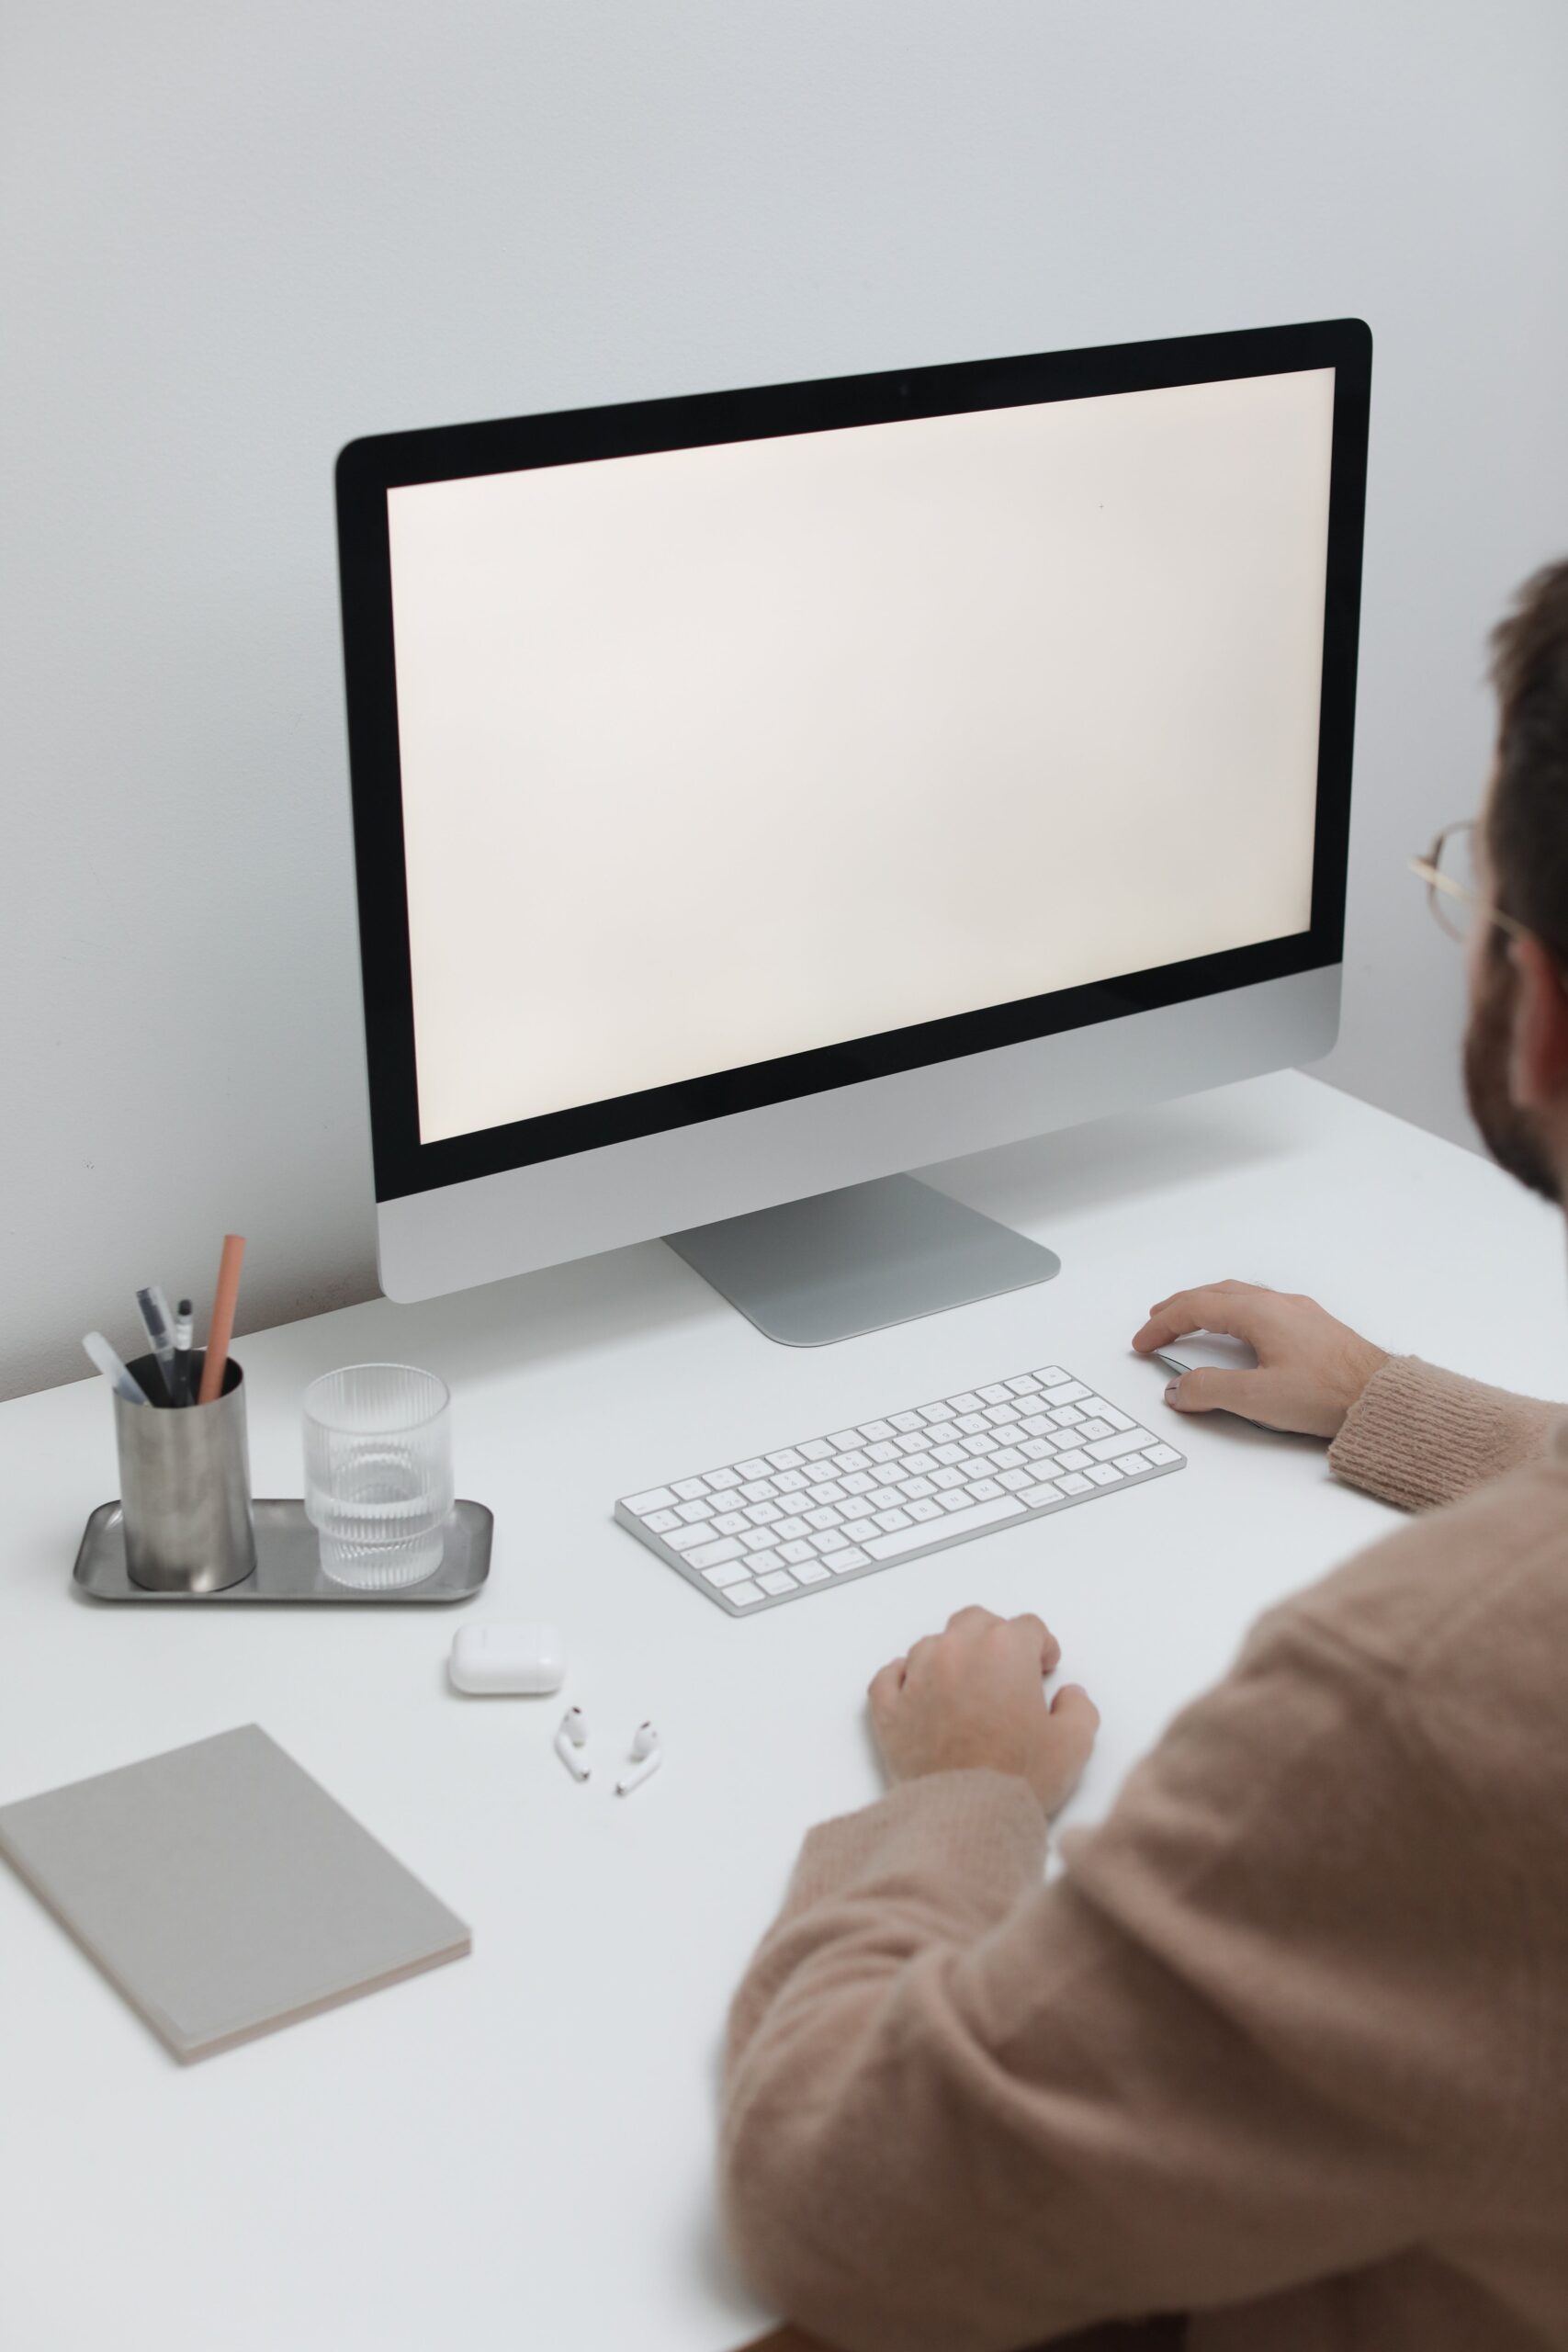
<point x="1207" y="1350"/>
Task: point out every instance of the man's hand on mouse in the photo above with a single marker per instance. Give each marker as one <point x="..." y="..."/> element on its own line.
<point x="969" y="1700"/>
<point x="1310" y="1369"/>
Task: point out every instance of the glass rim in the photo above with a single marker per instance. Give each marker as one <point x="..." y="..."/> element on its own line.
<point x="339" y="1371"/>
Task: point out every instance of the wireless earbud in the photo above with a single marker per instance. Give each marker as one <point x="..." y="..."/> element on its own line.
<point x="647" y="1756"/>
<point x="573" y="1735"/>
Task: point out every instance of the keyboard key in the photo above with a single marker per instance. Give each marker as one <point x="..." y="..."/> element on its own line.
<point x="1034" y="1449"/>
<point x="909" y="1539"/>
<point x="889" y="1519"/>
<point x="1104" y="1473"/>
<point x="1160" y="1454"/>
<point x="816" y="1448"/>
<point x="1109" y="1413"/>
<point x="830" y="1491"/>
<point x="876" y="1430"/>
<point x="832" y="1539"/>
<point x="1036" y="1497"/>
<point x="826" y="1516"/>
<point x="1093" y="1428"/>
<point x="1106" y="1448"/>
<point x="906" y="1422"/>
<point x="1073" y="1393"/>
<point x="1007" y="1457"/>
<point x="688" y="1539"/>
<point x="1002" y="1417"/>
<point x="845" y="1441"/>
<point x="656" y="1499"/>
<point x="759" y="1490"/>
<point x="763" y="1514"/>
<point x="975" y="1447"/>
<point x="719" y="1481"/>
<point x="755" y="1468"/>
<point x="1073" y="1457"/>
<point x="757" y="1563"/>
<point x="970" y="1424"/>
<point x="713" y="1556"/>
<point x="695" y="1514"/>
<point x="919" y="1464"/>
<point x="957" y="1501"/>
<point x="732" y="1523"/>
<point x="925" y="1511"/>
<point x="1066" y="1417"/>
<point x="778" y="1580"/>
<point x="915" y="1490"/>
<point x="1132" y="1464"/>
<point x="689" y="1489"/>
<point x="996" y="1395"/>
<point x="934" y="1414"/>
<point x="884" y="1499"/>
<point x="859" y="1482"/>
<point x="1015" y="1481"/>
<point x="856" y="1459"/>
<point x="859" y="1530"/>
<point x="850" y="1557"/>
<point x="984" y="1490"/>
<point x="947" y="1455"/>
<point x="789" y="1531"/>
<point x="661" y="1521"/>
<point x="756" y="1538"/>
<point x="883" y="1451"/>
<point x="794" y="1551"/>
<point x="1025" y="1385"/>
<point x="731" y="1572"/>
<point x="1073" y="1482"/>
<point x="1050" y="1375"/>
<point x="947" y="1477"/>
<point x="811" y="1572"/>
<point x="786" y="1458"/>
<point x="742" y="1596"/>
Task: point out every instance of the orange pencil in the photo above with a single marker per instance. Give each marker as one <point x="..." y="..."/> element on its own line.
<point x="221" y="1329"/>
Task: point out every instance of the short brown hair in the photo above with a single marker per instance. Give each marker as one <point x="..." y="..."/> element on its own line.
<point x="1527" y="833"/>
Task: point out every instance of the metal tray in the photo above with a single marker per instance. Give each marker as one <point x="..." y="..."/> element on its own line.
<point x="288" y="1564"/>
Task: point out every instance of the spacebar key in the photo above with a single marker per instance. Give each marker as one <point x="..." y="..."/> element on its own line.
<point x="954" y="1522"/>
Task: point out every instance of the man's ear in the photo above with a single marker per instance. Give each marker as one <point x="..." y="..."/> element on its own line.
<point x="1537" y="1063"/>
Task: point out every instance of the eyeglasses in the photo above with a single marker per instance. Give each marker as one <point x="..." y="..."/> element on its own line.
<point x="1455" y="897"/>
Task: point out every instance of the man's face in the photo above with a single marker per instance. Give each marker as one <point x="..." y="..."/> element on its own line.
<point x="1510" y="1134"/>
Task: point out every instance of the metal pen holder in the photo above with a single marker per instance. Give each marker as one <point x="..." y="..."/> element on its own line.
<point x="184" y="1485"/>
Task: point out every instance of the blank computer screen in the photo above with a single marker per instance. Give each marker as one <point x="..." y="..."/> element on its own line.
<point x="722" y="754"/>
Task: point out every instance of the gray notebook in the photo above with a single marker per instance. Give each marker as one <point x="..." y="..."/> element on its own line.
<point x="224" y="1892"/>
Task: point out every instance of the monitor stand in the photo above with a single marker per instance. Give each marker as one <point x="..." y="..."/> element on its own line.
<point x="842" y="1263"/>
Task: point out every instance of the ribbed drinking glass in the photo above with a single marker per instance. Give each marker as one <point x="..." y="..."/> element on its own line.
<point x="378" y="1473"/>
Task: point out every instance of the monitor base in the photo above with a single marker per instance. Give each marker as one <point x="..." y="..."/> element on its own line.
<point x="843" y="1263"/>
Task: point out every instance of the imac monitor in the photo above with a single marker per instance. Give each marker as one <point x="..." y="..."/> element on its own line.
<point x="762" y="793"/>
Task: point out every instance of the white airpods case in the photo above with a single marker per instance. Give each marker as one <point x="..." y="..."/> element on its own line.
<point x="494" y="1657"/>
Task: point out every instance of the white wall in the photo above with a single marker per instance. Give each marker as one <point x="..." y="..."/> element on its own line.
<point x="235" y="236"/>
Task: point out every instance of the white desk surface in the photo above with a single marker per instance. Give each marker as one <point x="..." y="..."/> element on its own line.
<point x="516" y="2149"/>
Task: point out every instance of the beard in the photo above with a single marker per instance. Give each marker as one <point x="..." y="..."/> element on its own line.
<point x="1508" y="1133"/>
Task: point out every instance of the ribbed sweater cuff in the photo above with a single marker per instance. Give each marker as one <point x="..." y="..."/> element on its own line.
<point x="1417" y="1436"/>
<point x="980" y="1835"/>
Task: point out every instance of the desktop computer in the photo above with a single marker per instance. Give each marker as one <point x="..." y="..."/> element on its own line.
<point x="759" y="795"/>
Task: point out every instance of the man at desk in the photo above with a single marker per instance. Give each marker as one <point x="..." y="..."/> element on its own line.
<point x="1286" y="2047"/>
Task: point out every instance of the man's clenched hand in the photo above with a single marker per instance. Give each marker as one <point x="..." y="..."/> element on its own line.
<point x="970" y="1698"/>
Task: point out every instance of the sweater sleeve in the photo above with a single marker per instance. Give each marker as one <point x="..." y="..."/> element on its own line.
<point x="964" y="2110"/>
<point x="1417" y="1436"/>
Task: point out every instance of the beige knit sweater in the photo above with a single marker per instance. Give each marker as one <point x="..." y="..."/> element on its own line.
<point x="1286" y="2045"/>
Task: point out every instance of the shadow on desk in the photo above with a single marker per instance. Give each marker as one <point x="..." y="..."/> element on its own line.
<point x="1165" y="2335"/>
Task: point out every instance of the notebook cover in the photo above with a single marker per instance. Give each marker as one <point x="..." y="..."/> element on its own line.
<point x="224" y="1892"/>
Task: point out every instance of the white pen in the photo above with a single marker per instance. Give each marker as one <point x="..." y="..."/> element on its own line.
<point x="182" y="1352"/>
<point x="113" y="1369"/>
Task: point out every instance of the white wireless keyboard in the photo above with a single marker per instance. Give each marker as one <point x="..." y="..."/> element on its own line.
<point x="776" y="1526"/>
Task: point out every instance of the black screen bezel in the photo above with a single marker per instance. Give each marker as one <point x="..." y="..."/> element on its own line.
<point x="368" y="469"/>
